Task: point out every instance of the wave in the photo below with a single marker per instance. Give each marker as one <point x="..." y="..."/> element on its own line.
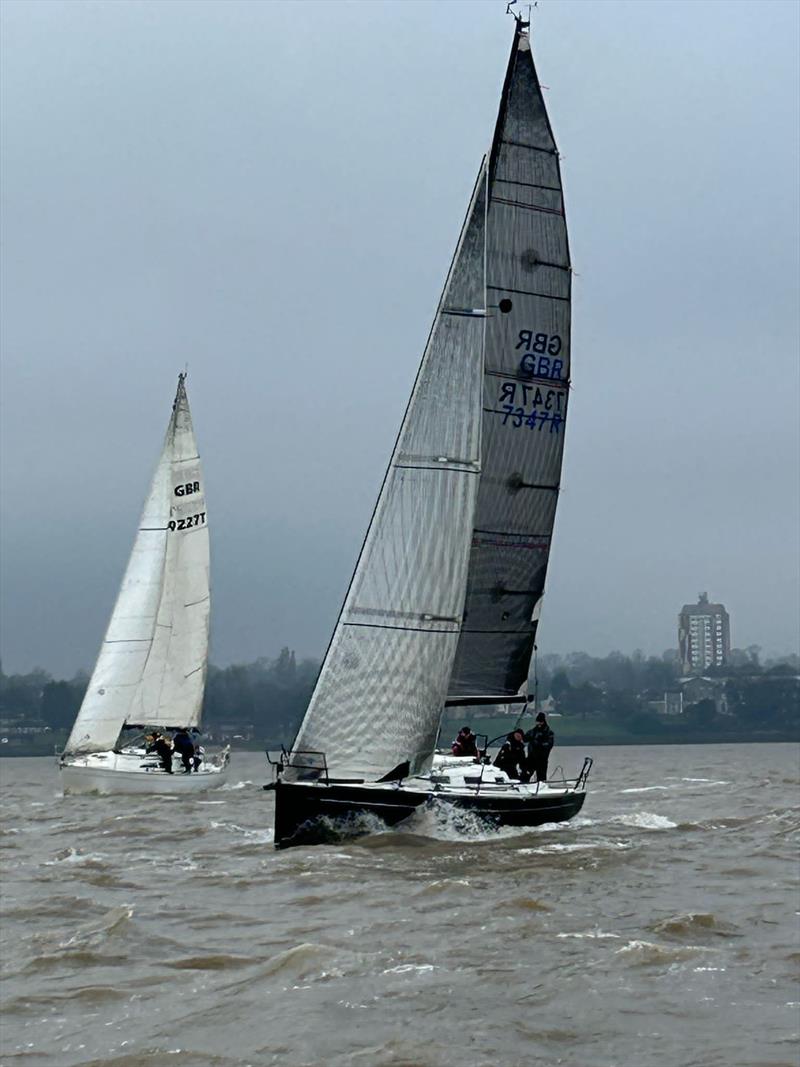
<point x="645" y="820"/>
<point x="96" y="931"/>
<point x="55" y="906"/>
<point x="87" y="996"/>
<point x="219" y="961"/>
<point x="75" y="855"/>
<point x="692" y="924"/>
<point x="648" y="789"/>
<point x="647" y="953"/>
<point x="577" y="846"/>
<point x="446" y="822"/>
<point x="526" y="904"/>
<point x="591" y="935"/>
<point x="257" y="836"/>
<point x="411" y="968"/>
<point x="706" y="781"/>
<point x="441" y="886"/>
<point x="157" y="1057"/>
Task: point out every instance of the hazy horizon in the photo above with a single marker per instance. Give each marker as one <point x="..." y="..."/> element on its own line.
<point x="272" y="192"/>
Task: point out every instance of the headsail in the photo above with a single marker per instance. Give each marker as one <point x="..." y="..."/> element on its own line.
<point x="525" y="393"/>
<point x="152" y="664"/>
<point x="384" y="678"/>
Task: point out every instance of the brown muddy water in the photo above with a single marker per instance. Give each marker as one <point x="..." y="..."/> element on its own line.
<point x="658" y="929"/>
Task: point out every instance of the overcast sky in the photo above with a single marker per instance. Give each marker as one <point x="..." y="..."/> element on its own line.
<point x="271" y="193"/>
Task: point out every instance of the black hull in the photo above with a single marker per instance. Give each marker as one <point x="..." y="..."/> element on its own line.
<point x="319" y="814"/>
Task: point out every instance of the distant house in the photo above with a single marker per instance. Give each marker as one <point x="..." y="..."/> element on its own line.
<point x="673" y="702"/>
<point x="700" y="688"/>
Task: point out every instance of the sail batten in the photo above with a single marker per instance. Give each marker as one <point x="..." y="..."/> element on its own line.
<point x="152" y="663"/>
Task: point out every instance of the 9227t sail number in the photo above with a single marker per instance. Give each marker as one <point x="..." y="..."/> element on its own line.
<point x="188" y="522"/>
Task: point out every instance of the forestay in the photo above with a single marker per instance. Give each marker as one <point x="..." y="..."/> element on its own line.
<point x="152" y="664"/>
<point x="382" y="684"/>
<point x="525" y="392"/>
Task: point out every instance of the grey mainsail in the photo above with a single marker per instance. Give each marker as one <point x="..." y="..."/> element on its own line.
<point x="525" y="391"/>
<point x="384" y="678"/>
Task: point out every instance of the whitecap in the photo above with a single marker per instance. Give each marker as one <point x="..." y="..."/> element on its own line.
<point x="593" y="935"/>
<point x="258" y="836"/>
<point x="74" y="855"/>
<point x="645" y="820"/>
<point x="579" y="846"/>
<point x="405" y="968"/>
<point x="705" y="781"/>
<point x="647" y="789"/>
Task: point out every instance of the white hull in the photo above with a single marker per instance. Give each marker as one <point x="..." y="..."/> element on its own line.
<point x="111" y="773"/>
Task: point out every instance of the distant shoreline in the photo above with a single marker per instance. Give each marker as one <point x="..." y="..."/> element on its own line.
<point x="575" y="741"/>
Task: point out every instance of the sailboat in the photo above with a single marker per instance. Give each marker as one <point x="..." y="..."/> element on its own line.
<point x="150" y="675"/>
<point x="443" y="607"/>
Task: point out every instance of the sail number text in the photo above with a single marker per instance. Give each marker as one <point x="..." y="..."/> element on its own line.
<point x="188" y="522"/>
<point x="540" y="351"/>
<point x="187" y="489"/>
<point x="531" y="406"/>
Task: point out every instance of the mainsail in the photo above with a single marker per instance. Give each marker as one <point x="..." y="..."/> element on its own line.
<point x="382" y="684"/>
<point x="526" y="384"/>
<point x="152" y="664"/>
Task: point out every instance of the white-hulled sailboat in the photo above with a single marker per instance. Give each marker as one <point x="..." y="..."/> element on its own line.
<point x="443" y="607"/>
<point x="150" y="674"/>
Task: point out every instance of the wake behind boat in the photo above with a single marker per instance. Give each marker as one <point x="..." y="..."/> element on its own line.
<point x="146" y="691"/>
<point x="443" y="607"/>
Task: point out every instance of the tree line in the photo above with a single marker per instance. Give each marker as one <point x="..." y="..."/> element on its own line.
<point x="265" y="700"/>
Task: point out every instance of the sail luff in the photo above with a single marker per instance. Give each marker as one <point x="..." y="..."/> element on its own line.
<point x="526" y="388"/>
<point x="121" y="688"/>
<point x="379" y="693"/>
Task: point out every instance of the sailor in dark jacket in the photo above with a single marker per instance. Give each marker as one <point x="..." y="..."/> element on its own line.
<point x="466" y="744"/>
<point x="540" y="740"/>
<point x="185" y="749"/>
<point x="511" y="757"/>
<point x="162" y="746"/>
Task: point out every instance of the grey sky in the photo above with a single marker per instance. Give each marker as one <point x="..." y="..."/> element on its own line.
<point x="271" y="192"/>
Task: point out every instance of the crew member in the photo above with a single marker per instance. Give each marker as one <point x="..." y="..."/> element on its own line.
<point x="185" y="749"/>
<point x="162" y="746"/>
<point x="466" y="744"/>
<point x="540" y="741"/>
<point x="511" y="757"/>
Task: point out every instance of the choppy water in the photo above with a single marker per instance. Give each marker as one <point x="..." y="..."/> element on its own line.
<point x="658" y="929"/>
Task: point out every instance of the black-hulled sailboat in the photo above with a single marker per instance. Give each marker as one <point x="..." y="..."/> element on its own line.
<point x="443" y="606"/>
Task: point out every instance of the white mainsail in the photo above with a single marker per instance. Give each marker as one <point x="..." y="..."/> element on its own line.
<point x="382" y="684"/>
<point x="152" y="664"/>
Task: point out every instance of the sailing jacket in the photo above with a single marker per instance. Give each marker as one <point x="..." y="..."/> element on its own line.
<point x="541" y="738"/>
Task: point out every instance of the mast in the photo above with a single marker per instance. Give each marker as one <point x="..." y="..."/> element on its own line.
<point x="152" y="664"/>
